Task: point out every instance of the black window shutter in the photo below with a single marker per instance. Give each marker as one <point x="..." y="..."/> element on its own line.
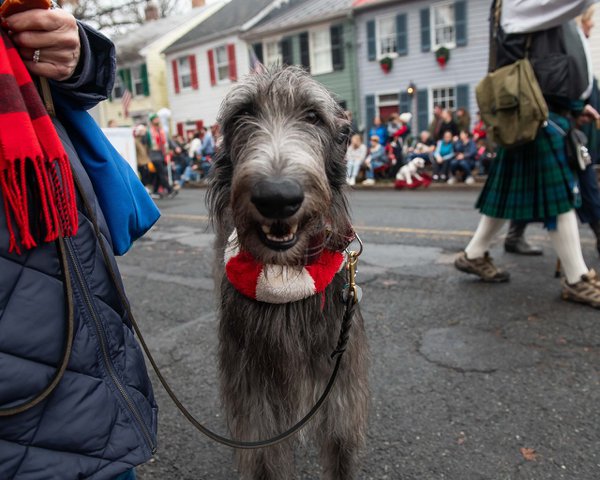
<point x="425" y="30"/>
<point x="337" y="46"/>
<point x="462" y="96"/>
<point x="401" y="34"/>
<point x="422" y="109"/>
<point x="258" y="51"/>
<point x="371" y="40"/>
<point x="369" y="112"/>
<point x="460" y="20"/>
<point x="404" y="102"/>
<point x="304" y="50"/>
<point x="144" y="77"/>
<point x="287" y="57"/>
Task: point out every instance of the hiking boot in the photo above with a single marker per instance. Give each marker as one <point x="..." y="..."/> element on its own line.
<point x="587" y="290"/>
<point x="515" y="240"/>
<point x="483" y="267"/>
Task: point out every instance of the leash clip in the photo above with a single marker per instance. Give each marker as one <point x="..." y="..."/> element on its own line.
<point x="351" y="269"/>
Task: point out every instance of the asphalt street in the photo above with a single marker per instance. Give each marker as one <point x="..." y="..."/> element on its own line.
<point x="469" y="380"/>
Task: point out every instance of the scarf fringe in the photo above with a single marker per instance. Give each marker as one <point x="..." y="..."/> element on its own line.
<point x="56" y="196"/>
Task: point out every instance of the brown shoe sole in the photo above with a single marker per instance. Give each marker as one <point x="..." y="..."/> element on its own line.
<point x="467" y="269"/>
<point x="572" y="298"/>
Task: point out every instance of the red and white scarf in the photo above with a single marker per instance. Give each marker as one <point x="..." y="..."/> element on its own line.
<point x="31" y="157"/>
<point x="278" y="283"/>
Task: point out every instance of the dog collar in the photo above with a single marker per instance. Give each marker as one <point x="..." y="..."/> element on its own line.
<point x="278" y="283"/>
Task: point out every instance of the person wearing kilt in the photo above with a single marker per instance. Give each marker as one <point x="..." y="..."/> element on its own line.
<point x="534" y="182"/>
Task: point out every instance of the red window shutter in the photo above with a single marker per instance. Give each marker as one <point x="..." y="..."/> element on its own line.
<point x="180" y="128"/>
<point x="175" y="76"/>
<point x="192" y="59"/>
<point x="199" y="125"/>
<point x="232" y="63"/>
<point x="211" y="67"/>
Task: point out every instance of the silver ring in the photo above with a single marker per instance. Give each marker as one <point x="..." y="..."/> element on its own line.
<point x="36" y="56"/>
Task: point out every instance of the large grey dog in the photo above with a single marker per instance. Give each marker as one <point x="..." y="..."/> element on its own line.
<point x="278" y="179"/>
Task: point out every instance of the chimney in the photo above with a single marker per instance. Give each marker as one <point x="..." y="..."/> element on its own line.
<point x="198" y="3"/>
<point x="151" y="11"/>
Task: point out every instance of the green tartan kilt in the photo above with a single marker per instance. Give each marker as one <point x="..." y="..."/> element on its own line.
<point x="532" y="182"/>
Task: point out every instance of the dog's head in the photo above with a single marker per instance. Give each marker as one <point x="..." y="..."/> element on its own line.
<point x="280" y="170"/>
<point x="418" y="162"/>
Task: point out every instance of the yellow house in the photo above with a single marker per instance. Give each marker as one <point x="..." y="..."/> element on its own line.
<point x="141" y="81"/>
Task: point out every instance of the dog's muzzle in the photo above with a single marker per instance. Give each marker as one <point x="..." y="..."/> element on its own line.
<point x="277" y="200"/>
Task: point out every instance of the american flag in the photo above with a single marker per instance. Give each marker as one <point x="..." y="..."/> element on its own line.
<point x="255" y="64"/>
<point x="126" y="101"/>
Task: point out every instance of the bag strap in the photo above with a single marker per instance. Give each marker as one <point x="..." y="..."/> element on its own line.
<point x="47" y="96"/>
<point x="497" y="11"/>
<point x="497" y="14"/>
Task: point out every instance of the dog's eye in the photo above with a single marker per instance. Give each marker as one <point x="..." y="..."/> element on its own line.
<point x="244" y="112"/>
<point x="312" y="117"/>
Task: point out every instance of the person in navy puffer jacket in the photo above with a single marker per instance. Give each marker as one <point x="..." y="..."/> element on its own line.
<point x="101" y="419"/>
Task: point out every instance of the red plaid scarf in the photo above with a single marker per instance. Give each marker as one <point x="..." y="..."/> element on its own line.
<point x="31" y="154"/>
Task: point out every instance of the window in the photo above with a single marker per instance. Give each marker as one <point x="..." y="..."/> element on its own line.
<point x="386" y="37"/>
<point x="320" y="52"/>
<point x="443" y="26"/>
<point x="445" y="97"/>
<point x="137" y="80"/>
<point x="184" y="72"/>
<point x="272" y="53"/>
<point x="222" y="63"/>
<point x="118" y="88"/>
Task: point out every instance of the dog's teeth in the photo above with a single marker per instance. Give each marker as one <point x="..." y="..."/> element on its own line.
<point x="293" y="229"/>
<point x="285" y="238"/>
<point x="266" y="229"/>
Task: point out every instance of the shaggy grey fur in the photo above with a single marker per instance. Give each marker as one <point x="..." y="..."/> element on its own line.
<point x="275" y="359"/>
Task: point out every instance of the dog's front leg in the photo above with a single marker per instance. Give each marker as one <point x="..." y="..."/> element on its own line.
<point x="272" y="463"/>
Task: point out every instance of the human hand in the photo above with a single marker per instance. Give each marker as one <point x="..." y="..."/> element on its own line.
<point x="588" y="114"/>
<point x="54" y="33"/>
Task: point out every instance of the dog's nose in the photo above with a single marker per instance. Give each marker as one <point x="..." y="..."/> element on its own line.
<point x="279" y="198"/>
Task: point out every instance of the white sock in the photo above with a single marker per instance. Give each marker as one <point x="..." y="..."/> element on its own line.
<point x="567" y="245"/>
<point x="486" y="231"/>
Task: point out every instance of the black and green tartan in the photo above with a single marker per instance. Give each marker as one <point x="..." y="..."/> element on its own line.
<point x="532" y="182"/>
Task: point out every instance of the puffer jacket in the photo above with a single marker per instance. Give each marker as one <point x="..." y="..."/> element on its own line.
<point x="101" y="420"/>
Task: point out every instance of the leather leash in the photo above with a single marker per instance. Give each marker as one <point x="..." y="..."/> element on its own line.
<point x="351" y="297"/>
<point x="69" y="333"/>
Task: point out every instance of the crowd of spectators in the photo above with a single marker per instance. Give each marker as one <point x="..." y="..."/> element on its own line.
<point x="167" y="163"/>
<point x="454" y="149"/>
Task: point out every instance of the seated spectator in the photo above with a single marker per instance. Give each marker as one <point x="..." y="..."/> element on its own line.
<point x="376" y="161"/>
<point x="464" y="159"/>
<point x="379" y="130"/>
<point x="448" y="124"/>
<point x="403" y="131"/>
<point x="479" y="129"/>
<point x="393" y="124"/>
<point x="423" y="148"/>
<point x="355" y="157"/>
<point x="463" y="119"/>
<point x="443" y="154"/>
